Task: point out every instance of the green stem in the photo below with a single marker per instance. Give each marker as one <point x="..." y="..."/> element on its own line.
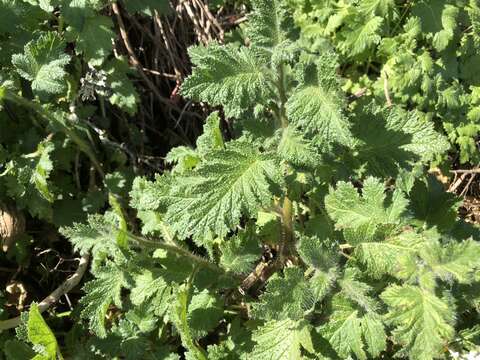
<point x="37" y="108"/>
<point x="287" y="244"/>
<point x="282" y="95"/>
<point x="198" y="260"/>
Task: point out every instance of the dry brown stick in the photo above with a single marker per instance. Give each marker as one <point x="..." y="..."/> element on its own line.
<point x="158" y="73"/>
<point x="133" y="58"/>
<point x="51" y="299"/>
<point x="198" y="28"/>
<point x="212" y="19"/>
<point x="259" y="276"/>
<point x="455" y="185"/>
<point x="466" y="171"/>
<point x="465" y="189"/>
<point x="168" y="46"/>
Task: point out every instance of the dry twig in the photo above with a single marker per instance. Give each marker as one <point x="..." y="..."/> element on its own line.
<point x="51" y="299"/>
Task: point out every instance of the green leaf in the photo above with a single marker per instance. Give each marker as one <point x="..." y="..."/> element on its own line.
<point x="269" y="24"/>
<point x="43" y="63"/>
<point x="145" y="287"/>
<point x="423" y="321"/>
<point x="297" y="150"/>
<point x="364" y="35"/>
<point x="11" y="13"/>
<point x="386" y="257"/>
<point x="124" y="94"/>
<point x="152" y="221"/>
<point x="241" y="251"/>
<point x="357" y="291"/>
<point x="226" y="76"/>
<point x="287" y="297"/>
<point x="151" y="195"/>
<point x="41" y="336"/>
<point x="100" y="293"/>
<point x="227" y="184"/>
<point x="211" y="138"/>
<point x="351" y="211"/>
<point x="433" y="206"/>
<point x="204" y="313"/>
<point x="184" y="157"/>
<point x="43" y="168"/>
<point x="147" y="7"/>
<point x="315" y="253"/>
<point x="17" y="350"/>
<point x="98" y="236"/>
<point x="349" y="332"/>
<point x="94" y="39"/>
<point x="453" y="261"/>
<point x="27" y="180"/>
<point x="281" y="340"/>
<point x="317" y="106"/>
<point x="390" y="139"/>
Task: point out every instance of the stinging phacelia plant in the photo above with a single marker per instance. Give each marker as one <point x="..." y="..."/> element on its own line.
<point x="312" y="232"/>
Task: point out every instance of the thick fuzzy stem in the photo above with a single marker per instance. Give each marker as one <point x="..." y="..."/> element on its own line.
<point x="287" y="244"/>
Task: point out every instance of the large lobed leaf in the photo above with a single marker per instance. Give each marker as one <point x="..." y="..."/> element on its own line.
<point x="227" y="184"/>
<point x="424" y="322"/>
<point x="390" y="139"/>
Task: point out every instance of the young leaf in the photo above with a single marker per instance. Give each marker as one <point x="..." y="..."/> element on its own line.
<point x="97" y="236"/>
<point x="269" y="24"/>
<point x="226" y="76"/>
<point x="212" y="138"/>
<point x="204" y="313"/>
<point x="317" y="106"/>
<point x="241" y="251"/>
<point x="124" y="94"/>
<point x="94" y="38"/>
<point x="285" y="298"/>
<point x="179" y="316"/>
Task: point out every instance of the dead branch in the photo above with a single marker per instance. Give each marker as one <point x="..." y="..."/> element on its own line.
<point x="51" y="299"/>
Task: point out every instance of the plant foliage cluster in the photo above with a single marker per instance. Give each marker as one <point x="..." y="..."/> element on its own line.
<point x="311" y="231"/>
<point x="427" y="52"/>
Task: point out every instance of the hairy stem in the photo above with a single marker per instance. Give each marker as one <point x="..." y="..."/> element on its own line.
<point x="198" y="260"/>
<point x="287" y="240"/>
<point x="282" y="95"/>
<point x="287" y="245"/>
